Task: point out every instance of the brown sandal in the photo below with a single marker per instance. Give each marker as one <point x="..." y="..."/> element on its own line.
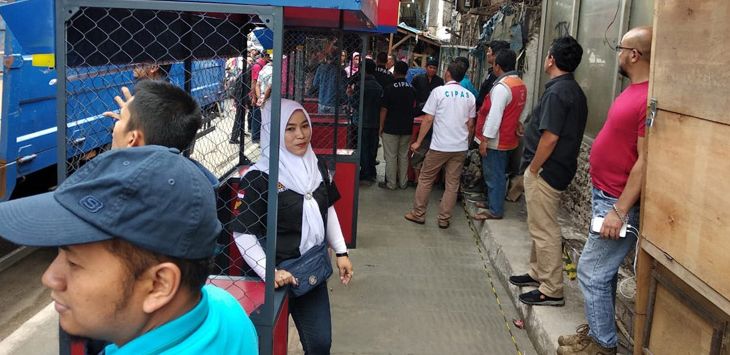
<point x="484" y="216"/>
<point x="409" y="216"/>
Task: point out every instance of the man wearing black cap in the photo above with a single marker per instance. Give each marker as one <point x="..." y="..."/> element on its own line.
<point x="423" y="85"/>
<point x="136" y="230"/>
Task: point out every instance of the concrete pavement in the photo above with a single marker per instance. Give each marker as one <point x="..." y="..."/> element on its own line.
<point x="28" y="324"/>
<point x="419" y="289"/>
<point x="508" y="243"/>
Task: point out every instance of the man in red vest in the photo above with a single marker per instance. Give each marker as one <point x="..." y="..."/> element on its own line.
<point x="496" y="131"/>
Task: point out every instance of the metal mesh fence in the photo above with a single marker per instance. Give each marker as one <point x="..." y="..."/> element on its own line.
<point x="221" y="61"/>
<point x="322" y="71"/>
<point x="211" y="57"/>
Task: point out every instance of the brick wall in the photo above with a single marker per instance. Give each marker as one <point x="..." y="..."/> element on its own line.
<point x="577" y="198"/>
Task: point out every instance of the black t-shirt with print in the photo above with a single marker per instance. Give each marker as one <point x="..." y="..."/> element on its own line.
<point x="400" y="100"/>
<point x="563" y="111"/>
<point x="252" y="212"/>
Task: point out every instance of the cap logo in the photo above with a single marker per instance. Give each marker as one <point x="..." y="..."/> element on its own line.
<point x="91" y="204"/>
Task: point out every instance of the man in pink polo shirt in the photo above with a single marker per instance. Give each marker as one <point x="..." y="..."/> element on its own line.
<point x="616" y="168"/>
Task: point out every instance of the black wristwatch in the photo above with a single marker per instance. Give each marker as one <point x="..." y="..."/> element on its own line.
<point x="342" y="254"/>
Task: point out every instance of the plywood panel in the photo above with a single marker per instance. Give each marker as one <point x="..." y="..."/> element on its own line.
<point x="676" y="329"/>
<point x="691" y="58"/>
<point x="686" y="205"/>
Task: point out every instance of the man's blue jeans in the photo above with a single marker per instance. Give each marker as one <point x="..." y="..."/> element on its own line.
<point x="598" y="271"/>
<point x="493" y="167"/>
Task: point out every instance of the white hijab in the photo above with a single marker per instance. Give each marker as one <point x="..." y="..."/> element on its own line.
<point x="299" y="174"/>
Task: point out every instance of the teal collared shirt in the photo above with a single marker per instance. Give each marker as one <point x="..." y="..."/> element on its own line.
<point x="217" y="325"/>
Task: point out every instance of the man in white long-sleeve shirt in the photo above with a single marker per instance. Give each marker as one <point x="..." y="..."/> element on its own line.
<point x="497" y="125"/>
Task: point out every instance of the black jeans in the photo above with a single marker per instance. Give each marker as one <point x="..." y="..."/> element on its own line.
<point x="254" y="123"/>
<point x="311" y="314"/>
<point x="237" y="130"/>
<point x="368" y="153"/>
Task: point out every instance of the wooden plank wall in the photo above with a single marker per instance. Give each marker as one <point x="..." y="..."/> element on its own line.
<point x="676" y="329"/>
<point x="692" y="58"/>
<point x="686" y="207"/>
<point x="686" y="193"/>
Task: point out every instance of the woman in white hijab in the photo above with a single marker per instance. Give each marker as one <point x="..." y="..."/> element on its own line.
<point x="354" y="65"/>
<point x="306" y="218"/>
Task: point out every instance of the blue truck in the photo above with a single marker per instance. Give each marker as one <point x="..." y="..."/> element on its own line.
<point x="28" y="123"/>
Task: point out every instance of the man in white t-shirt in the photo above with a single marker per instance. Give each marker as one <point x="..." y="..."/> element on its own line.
<point x="451" y="110"/>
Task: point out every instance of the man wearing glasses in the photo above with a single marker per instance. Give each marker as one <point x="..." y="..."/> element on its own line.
<point x="616" y="168"/>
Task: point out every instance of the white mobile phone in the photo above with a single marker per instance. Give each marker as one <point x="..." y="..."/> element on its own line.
<point x="597" y="222"/>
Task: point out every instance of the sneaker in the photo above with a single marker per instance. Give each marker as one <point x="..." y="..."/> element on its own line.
<point x="537" y="298"/>
<point x="581" y="333"/>
<point x="523" y="281"/>
<point x="587" y="346"/>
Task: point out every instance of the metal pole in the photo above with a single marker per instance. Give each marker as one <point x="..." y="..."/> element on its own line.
<point x="272" y="211"/>
<point x="356" y="205"/>
<point x="60" y="91"/>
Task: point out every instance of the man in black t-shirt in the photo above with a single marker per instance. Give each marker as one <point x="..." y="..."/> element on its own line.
<point x="423" y="84"/>
<point x="553" y="137"/>
<point x="494" y="47"/>
<point x="396" y="127"/>
<point x="382" y="75"/>
<point x="370" y="123"/>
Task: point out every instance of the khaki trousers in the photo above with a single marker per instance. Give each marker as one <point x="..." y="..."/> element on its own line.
<point x="395" y="151"/>
<point x="453" y="164"/>
<point x="546" y="263"/>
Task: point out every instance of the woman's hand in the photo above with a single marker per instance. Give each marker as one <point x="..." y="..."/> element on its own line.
<point x="345" y="266"/>
<point x="283" y="277"/>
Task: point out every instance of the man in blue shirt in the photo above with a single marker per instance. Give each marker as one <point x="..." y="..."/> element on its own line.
<point x="466" y="82"/>
<point x="415" y="70"/>
<point x="136" y="230"/>
<point x="330" y="82"/>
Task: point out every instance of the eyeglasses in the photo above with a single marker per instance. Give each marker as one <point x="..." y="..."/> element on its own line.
<point x="619" y="49"/>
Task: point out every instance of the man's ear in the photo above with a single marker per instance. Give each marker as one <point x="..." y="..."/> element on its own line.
<point x="165" y="279"/>
<point x="136" y="138"/>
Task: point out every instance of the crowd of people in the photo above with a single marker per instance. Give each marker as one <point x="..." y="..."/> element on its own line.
<point x="454" y="117"/>
<point x="137" y="226"/>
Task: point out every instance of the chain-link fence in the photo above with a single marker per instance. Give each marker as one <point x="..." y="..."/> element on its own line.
<point x="322" y="71"/>
<point x="215" y="58"/>
<point x="223" y="61"/>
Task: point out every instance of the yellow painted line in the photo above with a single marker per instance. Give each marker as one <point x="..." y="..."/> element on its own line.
<point x="475" y="234"/>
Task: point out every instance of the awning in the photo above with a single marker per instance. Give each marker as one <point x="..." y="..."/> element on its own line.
<point x="32" y="21"/>
<point x="416" y="34"/>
